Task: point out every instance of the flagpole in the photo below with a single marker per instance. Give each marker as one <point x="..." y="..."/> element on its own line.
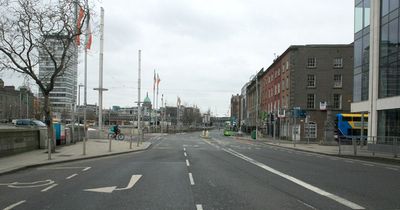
<point x="161" y="113"/>
<point x="100" y="88"/>
<point x="85" y="81"/>
<point x="154" y="95"/>
<point x="139" y="111"/>
<point x="157" y="105"/>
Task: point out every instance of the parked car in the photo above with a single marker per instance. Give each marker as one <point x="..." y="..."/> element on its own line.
<point x="29" y="123"/>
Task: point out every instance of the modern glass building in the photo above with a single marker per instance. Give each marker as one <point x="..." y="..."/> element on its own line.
<point x="377" y="65"/>
<point x="62" y="97"/>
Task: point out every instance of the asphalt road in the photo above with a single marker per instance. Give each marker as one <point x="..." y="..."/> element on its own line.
<point x="184" y="171"/>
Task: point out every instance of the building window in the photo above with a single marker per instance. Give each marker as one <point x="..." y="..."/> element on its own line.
<point x="337" y="101"/>
<point x="388" y="124"/>
<point x="311" y="80"/>
<point x="337" y="79"/>
<point x="310" y="130"/>
<point x="287" y="82"/>
<point x="287" y="100"/>
<point x="338" y="63"/>
<point x="312" y="62"/>
<point x="311" y="101"/>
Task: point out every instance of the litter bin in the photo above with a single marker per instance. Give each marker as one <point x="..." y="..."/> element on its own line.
<point x="253" y="134"/>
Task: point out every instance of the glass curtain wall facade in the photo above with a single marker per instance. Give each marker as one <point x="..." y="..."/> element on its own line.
<point x="361" y="49"/>
<point x="389" y="71"/>
<point x="383" y="68"/>
<point x="389" y="66"/>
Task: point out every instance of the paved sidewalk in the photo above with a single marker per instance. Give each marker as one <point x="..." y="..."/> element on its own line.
<point x="94" y="148"/>
<point x="346" y="150"/>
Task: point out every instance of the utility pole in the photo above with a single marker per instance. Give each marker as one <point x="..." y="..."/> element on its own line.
<point x="100" y="88"/>
<point x="139" y="111"/>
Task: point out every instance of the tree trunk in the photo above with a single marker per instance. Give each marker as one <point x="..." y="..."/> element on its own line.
<point x="49" y="122"/>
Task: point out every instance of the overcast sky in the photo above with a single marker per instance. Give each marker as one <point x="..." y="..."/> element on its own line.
<point x="203" y="50"/>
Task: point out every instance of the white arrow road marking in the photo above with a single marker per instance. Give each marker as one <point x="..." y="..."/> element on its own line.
<point x="14" y="205"/>
<point x="132" y="182"/>
<point x="28" y="184"/>
<point x="102" y="189"/>
<point x="296" y="181"/>
<point x="199" y="207"/>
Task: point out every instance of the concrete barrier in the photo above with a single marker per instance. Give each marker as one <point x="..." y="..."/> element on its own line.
<point x="13" y="141"/>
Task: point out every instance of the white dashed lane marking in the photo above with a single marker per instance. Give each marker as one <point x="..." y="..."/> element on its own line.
<point x="191" y="179"/>
<point x="73" y="175"/>
<point x="394" y="169"/>
<point x="48" y="188"/>
<point x="367" y="164"/>
<point x="14" y="205"/>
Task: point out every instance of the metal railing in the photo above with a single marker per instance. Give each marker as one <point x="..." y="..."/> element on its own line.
<point x="369" y="145"/>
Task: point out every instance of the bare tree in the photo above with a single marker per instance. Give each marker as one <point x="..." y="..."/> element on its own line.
<point x="35" y="29"/>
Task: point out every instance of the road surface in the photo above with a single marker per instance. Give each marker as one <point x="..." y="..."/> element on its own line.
<point x="184" y="171"/>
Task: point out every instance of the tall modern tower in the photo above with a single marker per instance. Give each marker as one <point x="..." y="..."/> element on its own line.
<point x="377" y="65"/>
<point x="64" y="93"/>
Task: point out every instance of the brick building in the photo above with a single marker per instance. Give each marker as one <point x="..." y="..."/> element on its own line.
<point x="235" y="109"/>
<point x="304" y="77"/>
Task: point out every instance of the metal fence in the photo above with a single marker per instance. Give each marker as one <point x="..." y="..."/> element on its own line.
<point x="369" y="145"/>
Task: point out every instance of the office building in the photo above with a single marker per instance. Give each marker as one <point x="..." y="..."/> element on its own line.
<point x="377" y="65"/>
<point x="64" y="93"/>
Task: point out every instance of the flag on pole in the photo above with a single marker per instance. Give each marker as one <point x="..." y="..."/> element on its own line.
<point x="155" y="80"/>
<point x="89" y="39"/>
<point x="158" y="81"/>
<point x="81" y="14"/>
